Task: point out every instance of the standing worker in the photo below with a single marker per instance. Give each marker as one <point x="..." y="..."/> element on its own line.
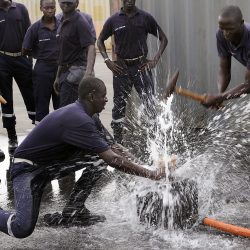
<point x="233" y="40"/>
<point x="40" y="43"/>
<point x="130" y="27"/>
<point x="76" y="52"/>
<point x="88" y="18"/>
<point x="14" y="22"/>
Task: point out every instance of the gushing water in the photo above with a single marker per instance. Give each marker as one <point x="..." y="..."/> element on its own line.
<point x="216" y="158"/>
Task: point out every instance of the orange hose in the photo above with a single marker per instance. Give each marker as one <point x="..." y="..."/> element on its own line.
<point x="236" y="230"/>
<point x="2" y="100"/>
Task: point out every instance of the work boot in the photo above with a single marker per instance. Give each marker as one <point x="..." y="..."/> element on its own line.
<point x="54" y="219"/>
<point x="13" y="144"/>
<point x="2" y="155"/>
<point x="12" y="140"/>
<point x="86" y="218"/>
<point x="77" y="218"/>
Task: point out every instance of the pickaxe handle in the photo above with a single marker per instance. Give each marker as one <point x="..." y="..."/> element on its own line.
<point x="2" y="100"/>
<point x="190" y="94"/>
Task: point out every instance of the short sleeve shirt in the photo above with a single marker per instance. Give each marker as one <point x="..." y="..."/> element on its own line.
<point x="61" y="134"/>
<point x="14" y="23"/>
<point x="74" y="36"/>
<point x="42" y="41"/>
<point x="89" y="20"/>
<point x="130" y="33"/>
<point x="241" y="53"/>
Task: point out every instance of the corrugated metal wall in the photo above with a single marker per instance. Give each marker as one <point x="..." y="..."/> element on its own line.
<point x="190" y="26"/>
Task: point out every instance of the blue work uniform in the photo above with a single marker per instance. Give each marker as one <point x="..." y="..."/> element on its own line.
<point x="45" y="155"/>
<point x="240" y="52"/>
<point x="14" y="23"/>
<point x="74" y="38"/>
<point x="42" y="43"/>
<point x="130" y="37"/>
<point x="87" y="17"/>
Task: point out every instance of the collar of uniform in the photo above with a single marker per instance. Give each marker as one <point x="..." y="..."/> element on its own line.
<point x="72" y="17"/>
<point x="244" y="37"/>
<point x="83" y="106"/>
<point x="121" y="12"/>
<point x="43" y="26"/>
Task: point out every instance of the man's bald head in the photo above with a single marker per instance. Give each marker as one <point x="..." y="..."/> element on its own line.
<point x="90" y="85"/>
<point x="232" y="12"/>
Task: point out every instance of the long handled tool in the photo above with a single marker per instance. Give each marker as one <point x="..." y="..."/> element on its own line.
<point x="171" y="87"/>
<point x="236" y="230"/>
<point x="2" y="100"/>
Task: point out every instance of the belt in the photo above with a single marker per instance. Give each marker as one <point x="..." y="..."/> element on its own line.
<point x="133" y="59"/>
<point x="11" y="54"/>
<point x="17" y="160"/>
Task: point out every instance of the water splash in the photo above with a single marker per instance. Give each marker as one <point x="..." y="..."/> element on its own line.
<point x="215" y="157"/>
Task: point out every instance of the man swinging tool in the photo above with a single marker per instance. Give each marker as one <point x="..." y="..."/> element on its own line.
<point x="216" y="100"/>
<point x="233" y="40"/>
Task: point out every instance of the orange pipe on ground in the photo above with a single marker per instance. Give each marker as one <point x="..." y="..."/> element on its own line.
<point x="2" y="100"/>
<point x="236" y="230"/>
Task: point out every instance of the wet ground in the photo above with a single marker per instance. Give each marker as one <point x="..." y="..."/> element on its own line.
<point x="115" y="198"/>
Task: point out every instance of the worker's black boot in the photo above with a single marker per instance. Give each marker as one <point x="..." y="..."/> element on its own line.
<point x="13" y="143"/>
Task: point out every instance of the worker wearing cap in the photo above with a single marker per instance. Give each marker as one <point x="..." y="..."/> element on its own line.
<point x="130" y="27"/>
<point x="76" y="52"/>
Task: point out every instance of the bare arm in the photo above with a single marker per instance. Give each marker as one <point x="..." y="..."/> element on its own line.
<point x="116" y="69"/>
<point x="120" y="150"/>
<point x="224" y="74"/>
<point x="163" y="44"/>
<point x="102" y="47"/>
<point x="243" y="88"/>
<point x="90" y="60"/>
<point x="214" y="101"/>
<point x="56" y="82"/>
<point x="122" y="164"/>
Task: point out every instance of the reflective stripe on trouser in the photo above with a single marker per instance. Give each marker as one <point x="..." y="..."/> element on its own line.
<point x="19" y="68"/>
